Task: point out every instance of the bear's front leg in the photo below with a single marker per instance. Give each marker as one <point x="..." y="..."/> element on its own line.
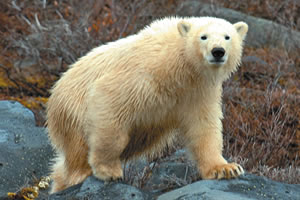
<point x="105" y="128"/>
<point x="204" y="140"/>
<point x="106" y="146"/>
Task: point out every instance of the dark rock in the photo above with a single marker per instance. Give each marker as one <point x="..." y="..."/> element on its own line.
<point x="172" y="172"/>
<point x="68" y="193"/>
<point x="261" y="33"/>
<point x="26" y="63"/>
<point x="24" y="148"/>
<point x="168" y="176"/>
<point x="247" y="187"/>
<point x="94" y="189"/>
<point x="254" y="60"/>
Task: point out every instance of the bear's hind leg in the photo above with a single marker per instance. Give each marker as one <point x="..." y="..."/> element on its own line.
<point x="58" y="175"/>
<point x="71" y="166"/>
<point x="106" y="147"/>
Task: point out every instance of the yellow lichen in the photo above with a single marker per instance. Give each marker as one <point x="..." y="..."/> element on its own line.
<point x="31" y="193"/>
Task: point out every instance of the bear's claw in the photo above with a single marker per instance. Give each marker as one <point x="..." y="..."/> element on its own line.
<point x="225" y="171"/>
<point x="108" y="173"/>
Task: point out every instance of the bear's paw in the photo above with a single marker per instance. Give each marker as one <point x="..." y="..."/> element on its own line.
<point x="224" y="171"/>
<point x="108" y="172"/>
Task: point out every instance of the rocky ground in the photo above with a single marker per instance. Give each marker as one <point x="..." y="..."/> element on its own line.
<point x="25" y="151"/>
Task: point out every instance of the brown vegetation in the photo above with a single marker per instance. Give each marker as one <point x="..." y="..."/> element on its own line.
<point x="39" y="39"/>
<point x="283" y="12"/>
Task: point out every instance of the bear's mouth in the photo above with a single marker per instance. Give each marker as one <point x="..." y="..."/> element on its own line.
<point x="217" y="61"/>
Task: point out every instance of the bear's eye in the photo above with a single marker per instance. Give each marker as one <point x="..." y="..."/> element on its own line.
<point x="204" y="37"/>
<point x="227" y="37"/>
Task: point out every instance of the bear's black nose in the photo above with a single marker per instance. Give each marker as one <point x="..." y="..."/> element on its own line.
<point x="218" y="53"/>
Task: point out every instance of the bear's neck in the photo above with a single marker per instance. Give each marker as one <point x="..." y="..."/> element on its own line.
<point x="181" y="80"/>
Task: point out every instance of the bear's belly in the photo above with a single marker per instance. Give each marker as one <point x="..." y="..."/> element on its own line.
<point x="144" y="138"/>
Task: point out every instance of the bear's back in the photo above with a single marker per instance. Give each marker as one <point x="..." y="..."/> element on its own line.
<point x="154" y="48"/>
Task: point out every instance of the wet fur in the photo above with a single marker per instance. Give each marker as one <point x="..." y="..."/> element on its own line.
<point x="128" y="98"/>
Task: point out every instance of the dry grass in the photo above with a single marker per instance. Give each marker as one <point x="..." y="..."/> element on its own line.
<point x="39" y="39"/>
<point x="285" y="12"/>
<point x="261" y="106"/>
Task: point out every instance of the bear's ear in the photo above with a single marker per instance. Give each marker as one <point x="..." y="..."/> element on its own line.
<point x="183" y="28"/>
<point x="241" y="28"/>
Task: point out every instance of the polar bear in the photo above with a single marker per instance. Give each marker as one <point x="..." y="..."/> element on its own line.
<point x="125" y="99"/>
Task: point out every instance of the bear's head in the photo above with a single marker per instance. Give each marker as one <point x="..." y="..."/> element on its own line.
<point x="213" y="44"/>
